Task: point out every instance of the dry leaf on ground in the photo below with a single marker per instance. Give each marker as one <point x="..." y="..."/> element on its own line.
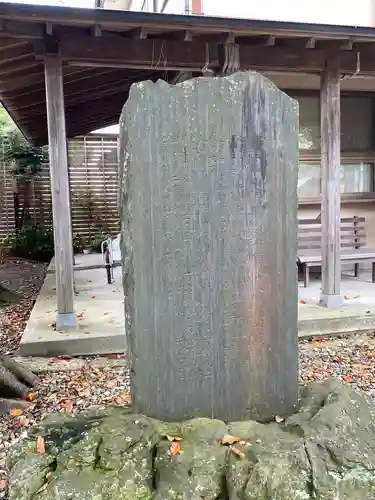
<point x="69" y="406"/>
<point x="16" y="413"/>
<point x="40" y="445"/>
<point x="175" y="448"/>
<point x="237" y="452"/>
<point x="228" y="439"/>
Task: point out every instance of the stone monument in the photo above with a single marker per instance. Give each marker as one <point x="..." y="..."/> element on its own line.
<point x="209" y="204"/>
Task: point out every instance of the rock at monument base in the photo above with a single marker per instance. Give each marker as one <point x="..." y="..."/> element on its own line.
<point x="326" y="451"/>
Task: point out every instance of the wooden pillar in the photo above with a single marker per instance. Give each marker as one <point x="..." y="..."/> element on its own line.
<point x="330" y="197"/>
<point x="62" y="228"/>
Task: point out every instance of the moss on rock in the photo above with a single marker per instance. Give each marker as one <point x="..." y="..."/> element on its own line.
<point x="325" y="451"/>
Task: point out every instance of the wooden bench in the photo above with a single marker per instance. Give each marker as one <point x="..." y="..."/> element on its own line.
<point x="353" y="241"/>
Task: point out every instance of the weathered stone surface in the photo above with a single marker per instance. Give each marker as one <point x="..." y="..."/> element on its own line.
<point x="209" y="218"/>
<point x="326" y="451"/>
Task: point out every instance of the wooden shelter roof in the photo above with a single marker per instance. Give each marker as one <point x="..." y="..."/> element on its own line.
<point x="105" y="51"/>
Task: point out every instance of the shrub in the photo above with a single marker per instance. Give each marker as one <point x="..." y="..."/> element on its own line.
<point x="78" y="243"/>
<point x="32" y="242"/>
<point x="95" y="242"/>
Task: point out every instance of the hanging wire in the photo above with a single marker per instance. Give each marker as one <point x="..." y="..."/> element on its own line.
<point x="162" y="58"/>
<point x="206" y="71"/>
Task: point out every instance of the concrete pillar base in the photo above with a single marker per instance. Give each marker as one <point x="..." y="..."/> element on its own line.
<point x="331" y="301"/>
<point x="66" y="321"/>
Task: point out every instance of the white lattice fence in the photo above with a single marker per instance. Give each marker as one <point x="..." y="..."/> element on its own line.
<point x="93" y="171"/>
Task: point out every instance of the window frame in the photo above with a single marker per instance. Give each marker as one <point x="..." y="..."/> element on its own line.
<point x="347" y="157"/>
<point x="314" y="158"/>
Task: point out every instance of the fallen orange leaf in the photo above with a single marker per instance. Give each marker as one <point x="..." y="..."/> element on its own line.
<point x="237" y="452"/>
<point x="16" y="412"/>
<point x="348" y="379"/>
<point x="69" y="406"/>
<point x="175" y="448"/>
<point x="228" y="439"/>
<point x="173" y="438"/>
<point x="302" y="302"/>
<point x="348" y="297"/>
<point x="31" y="396"/>
<point x="40" y="445"/>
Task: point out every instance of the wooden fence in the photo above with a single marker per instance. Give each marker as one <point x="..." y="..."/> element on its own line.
<point x="93" y="176"/>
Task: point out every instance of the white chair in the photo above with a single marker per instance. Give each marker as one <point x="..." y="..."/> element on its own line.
<point x="111" y="253"/>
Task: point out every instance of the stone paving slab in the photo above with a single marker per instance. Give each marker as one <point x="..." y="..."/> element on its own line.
<point x="46" y="365"/>
<point x="100" y="312"/>
<point x="357" y="315"/>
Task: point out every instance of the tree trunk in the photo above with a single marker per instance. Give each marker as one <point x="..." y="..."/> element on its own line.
<point x="15" y="380"/>
<point x="7" y="296"/>
<point x="27" y="191"/>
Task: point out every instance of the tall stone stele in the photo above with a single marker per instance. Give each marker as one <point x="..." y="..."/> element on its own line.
<point x="209" y="218"/>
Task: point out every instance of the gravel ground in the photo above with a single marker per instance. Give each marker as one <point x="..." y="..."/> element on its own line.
<point x="25" y="278"/>
<point x="349" y="358"/>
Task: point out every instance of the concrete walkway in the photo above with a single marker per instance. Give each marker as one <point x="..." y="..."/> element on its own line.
<point x="100" y="311"/>
<point x="356" y="316"/>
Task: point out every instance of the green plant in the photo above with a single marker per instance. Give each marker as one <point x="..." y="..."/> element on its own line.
<point x="26" y="162"/>
<point x="95" y="242"/>
<point x="31" y="242"/>
<point x="87" y="201"/>
<point x="78" y="243"/>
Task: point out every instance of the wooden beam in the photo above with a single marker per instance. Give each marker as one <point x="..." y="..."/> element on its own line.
<point x="183" y="36"/>
<point x="28" y="83"/>
<point x="330" y="197"/>
<point x="78" y="90"/>
<point x="13" y="67"/>
<point x="118" y="51"/>
<point x="22" y="29"/>
<point x="16" y="52"/>
<point x="121" y="52"/>
<point x="137" y="33"/>
<point x="62" y="226"/>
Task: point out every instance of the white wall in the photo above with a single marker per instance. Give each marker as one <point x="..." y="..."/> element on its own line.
<point x="345" y="12"/>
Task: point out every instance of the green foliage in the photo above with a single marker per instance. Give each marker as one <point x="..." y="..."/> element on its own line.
<point x="95" y="242"/>
<point x="78" y="243"/>
<point x="32" y="242"/>
<point x="27" y="159"/>
<point x="7" y="126"/>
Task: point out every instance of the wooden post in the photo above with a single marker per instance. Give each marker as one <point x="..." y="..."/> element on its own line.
<point x="66" y="318"/>
<point x="330" y="197"/>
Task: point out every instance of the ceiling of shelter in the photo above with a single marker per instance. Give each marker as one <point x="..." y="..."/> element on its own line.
<point x="104" y="52"/>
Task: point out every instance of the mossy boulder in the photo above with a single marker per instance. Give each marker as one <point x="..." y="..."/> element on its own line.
<point x="326" y="451"/>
